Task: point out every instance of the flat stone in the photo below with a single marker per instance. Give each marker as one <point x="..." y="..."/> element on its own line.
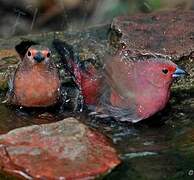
<point x="63" y="150"/>
<point x="168" y="32"/>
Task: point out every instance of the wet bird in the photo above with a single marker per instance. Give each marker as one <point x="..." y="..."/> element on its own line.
<point x="83" y="73"/>
<point x="137" y="84"/>
<point x="36" y="81"/>
<point x="130" y="86"/>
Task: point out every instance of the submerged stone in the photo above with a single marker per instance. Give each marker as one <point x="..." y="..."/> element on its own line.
<point x="62" y="150"/>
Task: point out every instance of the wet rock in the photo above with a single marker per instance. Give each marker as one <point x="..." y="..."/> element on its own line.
<point x="62" y="150"/>
<point x="170" y="32"/>
<point x="8" y="62"/>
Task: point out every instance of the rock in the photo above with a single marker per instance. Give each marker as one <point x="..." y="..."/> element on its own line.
<point x="63" y="150"/>
<point x="168" y="32"/>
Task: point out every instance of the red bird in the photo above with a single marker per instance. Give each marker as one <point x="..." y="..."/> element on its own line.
<point x="138" y="84"/>
<point x="132" y="85"/>
<point x="35" y="82"/>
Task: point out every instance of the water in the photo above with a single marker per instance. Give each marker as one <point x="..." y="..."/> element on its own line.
<point x="159" y="148"/>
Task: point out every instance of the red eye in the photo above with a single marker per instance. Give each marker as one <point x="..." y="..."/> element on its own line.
<point x="29" y="53"/>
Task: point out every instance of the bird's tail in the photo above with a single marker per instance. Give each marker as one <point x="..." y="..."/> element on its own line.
<point x="71" y="63"/>
<point x="70" y="60"/>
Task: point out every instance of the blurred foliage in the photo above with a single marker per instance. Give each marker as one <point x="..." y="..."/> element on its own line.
<point x="155" y="4"/>
<point x="29" y="16"/>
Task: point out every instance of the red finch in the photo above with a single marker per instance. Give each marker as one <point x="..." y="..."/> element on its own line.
<point x="137" y="84"/>
<point x="131" y="85"/>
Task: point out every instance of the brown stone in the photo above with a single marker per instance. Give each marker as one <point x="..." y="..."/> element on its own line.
<point x="62" y="150"/>
<point x="162" y="32"/>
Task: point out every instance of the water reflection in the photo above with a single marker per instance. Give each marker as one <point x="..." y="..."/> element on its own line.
<point x="148" y="150"/>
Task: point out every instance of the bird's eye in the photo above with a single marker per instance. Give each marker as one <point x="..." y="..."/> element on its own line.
<point x="29" y="53"/>
<point x="165" y="71"/>
<point x="48" y="54"/>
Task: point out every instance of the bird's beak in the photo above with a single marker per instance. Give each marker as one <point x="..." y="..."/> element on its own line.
<point x="39" y="57"/>
<point x="179" y="73"/>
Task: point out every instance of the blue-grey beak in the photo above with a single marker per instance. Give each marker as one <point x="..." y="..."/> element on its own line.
<point x="39" y="57"/>
<point x="179" y="73"/>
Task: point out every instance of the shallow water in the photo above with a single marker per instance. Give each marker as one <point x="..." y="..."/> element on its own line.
<point x="159" y="148"/>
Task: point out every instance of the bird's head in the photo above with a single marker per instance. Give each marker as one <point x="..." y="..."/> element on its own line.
<point x="158" y="72"/>
<point x="37" y="54"/>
